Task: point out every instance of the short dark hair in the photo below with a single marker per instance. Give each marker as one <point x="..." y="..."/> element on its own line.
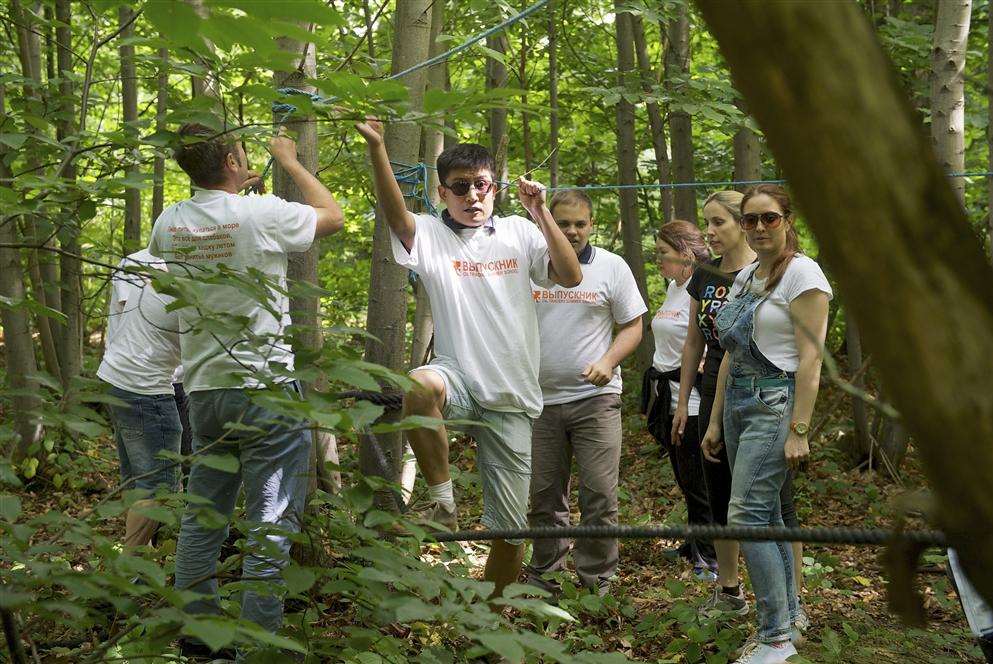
<point x="203" y="158"/>
<point x="464" y="156"/>
<point x="571" y="197"/>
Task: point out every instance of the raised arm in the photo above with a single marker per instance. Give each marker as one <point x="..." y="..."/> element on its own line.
<point x="330" y="218"/>
<point x="388" y="192"/>
<point x="564" y="265"/>
<point x="692" y="352"/>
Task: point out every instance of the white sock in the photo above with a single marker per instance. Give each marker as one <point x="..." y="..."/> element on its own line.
<point x="443" y="493"/>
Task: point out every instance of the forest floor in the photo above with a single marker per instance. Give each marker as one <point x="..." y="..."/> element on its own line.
<point x="651" y="613"/>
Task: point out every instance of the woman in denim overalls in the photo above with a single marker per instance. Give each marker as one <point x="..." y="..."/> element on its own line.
<point x="764" y="410"/>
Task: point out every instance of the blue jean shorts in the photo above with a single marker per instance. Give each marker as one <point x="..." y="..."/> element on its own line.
<point x="146" y="425"/>
<point x="503" y="451"/>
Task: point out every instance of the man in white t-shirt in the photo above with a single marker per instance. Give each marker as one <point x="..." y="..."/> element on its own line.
<point x="235" y="248"/>
<point x="141" y="354"/>
<point x="580" y="380"/>
<point x="477" y="270"/>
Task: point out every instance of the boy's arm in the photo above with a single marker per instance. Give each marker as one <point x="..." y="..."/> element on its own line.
<point x="387" y="190"/>
<point x="330" y="218"/>
<point x="564" y="264"/>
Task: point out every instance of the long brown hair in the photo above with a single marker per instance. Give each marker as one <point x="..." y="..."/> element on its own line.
<point x="792" y="248"/>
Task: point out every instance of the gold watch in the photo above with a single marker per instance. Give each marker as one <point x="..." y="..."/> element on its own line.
<point x="800" y="428"/>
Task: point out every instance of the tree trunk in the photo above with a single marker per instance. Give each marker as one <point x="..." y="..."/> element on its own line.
<point x="835" y="117"/>
<point x="677" y="70"/>
<point x="656" y="124"/>
<point x="747" y="154"/>
<point x="302" y="267"/>
<point x="18" y="347"/>
<point x="369" y="32"/>
<point x="387" y="311"/>
<point x="129" y="103"/>
<point x="989" y="130"/>
<point x="861" y="443"/>
<point x="951" y="36"/>
<point x="161" y="108"/>
<point x="496" y="78"/>
<point x="627" y="160"/>
<point x="553" y="97"/>
<point x="206" y="85"/>
<point x="70" y="267"/>
<point x="522" y="79"/>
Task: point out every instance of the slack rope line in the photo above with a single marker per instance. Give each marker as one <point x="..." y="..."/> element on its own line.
<point x="857" y="536"/>
<point x="288" y="109"/>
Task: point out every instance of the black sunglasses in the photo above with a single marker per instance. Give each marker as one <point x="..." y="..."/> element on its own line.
<point x="461" y="187"/>
<point x="769" y="220"/>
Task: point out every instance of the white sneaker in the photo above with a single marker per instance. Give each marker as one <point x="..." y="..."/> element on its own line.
<point x="766" y="653"/>
<point x="802" y="622"/>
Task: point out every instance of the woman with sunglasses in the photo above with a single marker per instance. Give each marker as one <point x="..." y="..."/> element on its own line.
<point x="680" y="248"/>
<point x="772" y="329"/>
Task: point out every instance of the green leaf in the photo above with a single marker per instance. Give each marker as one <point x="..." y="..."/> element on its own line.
<point x="175" y="20"/>
<point x="13" y="140"/>
<point x="11" y="600"/>
<point x="505" y="645"/>
<point x="223" y="462"/>
<point x="215" y="632"/>
<point x="298" y="579"/>
<point x="10" y="507"/>
<point x="159" y="513"/>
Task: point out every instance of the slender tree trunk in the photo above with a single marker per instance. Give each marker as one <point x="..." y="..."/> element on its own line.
<point x="18" y="348"/>
<point x="387" y="311"/>
<point x="129" y="102"/>
<point x="835" y="142"/>
<point x="656" y="124"/>
<point x="951" y="36"/>
<point x="553" y="96"/>
<point x="496" y="78"/>
<point x="677" y="66"/>
<point x="627" y="160"/>
<point x="207" y="85"/>
<point x="747" y="153"/>
<point x="308" y="339"/>
<point x="369" y="32"/>
<point x="522" y="78"/>
<point x="862" y="442"/>
<point x="70" y="267"/>
<point x="161" y="108"/>
<point x="989" y="129"/>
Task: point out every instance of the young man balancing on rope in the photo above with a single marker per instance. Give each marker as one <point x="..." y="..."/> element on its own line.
<point x="581" y="386"/>
<point x="225" y="363"/>
<point x="477" y="269"/>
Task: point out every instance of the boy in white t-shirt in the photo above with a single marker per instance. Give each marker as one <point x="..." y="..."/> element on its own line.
<point x="231" y="343"/>
<point x="581" y="386"/>
<point x="477" y="270"/>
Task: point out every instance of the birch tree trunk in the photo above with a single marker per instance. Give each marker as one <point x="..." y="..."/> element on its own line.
<point x="677" y="68"/>
<point x="553" y="97"/>
<point x="951" y="36"/>
<point x="656" y="124"/>
<point x="129" y="102"/>
<point x="627" y="161"/>
<point x="842" y="130"/>
<point x="387" y="311"/>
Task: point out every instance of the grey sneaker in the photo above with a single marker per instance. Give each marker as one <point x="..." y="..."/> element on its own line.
<point x="802" y="622"/>
<point x="435" y="516"/>
<point x="721" y="603"/>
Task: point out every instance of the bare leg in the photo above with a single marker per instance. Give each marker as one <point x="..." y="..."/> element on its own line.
<point x="798" y="566"/>
<point x="139" y="529"/>
<point x="430" y="445"/>
<point x="503" y="566"/>
<point x="727" y="562"/>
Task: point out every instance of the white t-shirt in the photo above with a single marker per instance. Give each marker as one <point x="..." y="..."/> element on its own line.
<point x="242" y="233"/>
<point x="576" y="326"/>
<point x="479" y="283"/>
<point x="773" y="332"/>
<point x="669" y="327"/>
<point x="141" y="347"/>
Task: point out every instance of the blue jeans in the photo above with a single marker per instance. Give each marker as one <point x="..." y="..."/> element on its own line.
<point x="145" y="426"/>
<point x="756" y="423"/>
<point x="273" y="466"/>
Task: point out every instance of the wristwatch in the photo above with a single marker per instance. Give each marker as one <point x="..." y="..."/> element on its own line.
<point x="800" y="428"/>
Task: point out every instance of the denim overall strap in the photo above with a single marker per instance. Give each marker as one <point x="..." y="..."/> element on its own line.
<point x="736" y="329"/>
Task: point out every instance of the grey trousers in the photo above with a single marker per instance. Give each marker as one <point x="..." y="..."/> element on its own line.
<point x="588" y="430"/>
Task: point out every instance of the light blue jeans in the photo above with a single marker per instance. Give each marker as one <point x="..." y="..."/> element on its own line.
<point x="273" y="468"/>
<point x="145" y="426"/>
<point x="756" y="423"/>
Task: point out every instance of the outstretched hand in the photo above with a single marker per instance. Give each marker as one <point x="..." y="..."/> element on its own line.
<point x="531" y="195"/>
<point x="371" y="130"/>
